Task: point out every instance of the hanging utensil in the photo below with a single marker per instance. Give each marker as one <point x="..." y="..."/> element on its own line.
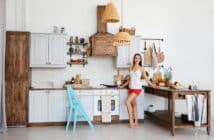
<point x="154" y="47"/>
<point x="145" y="46"/>
<point x="160" y="55"/>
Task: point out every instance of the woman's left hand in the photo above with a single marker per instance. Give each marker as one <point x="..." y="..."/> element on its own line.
<point x="153" y="85"/>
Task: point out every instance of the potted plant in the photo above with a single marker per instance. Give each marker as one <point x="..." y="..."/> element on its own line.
<point x="168" y="76"/>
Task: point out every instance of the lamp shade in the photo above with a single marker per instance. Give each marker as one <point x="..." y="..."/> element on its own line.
<point x="110" y="14"/>
<point x="122" y="39"/>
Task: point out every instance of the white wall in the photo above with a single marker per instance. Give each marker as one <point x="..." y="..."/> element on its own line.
<point x="16" y="15"/>
<point x="186" y="26"/>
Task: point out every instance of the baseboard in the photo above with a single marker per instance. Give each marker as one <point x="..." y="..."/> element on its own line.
<point x="40" y="124"/>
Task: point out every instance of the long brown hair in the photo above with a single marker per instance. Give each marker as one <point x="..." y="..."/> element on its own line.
<point x="137" y="54"/>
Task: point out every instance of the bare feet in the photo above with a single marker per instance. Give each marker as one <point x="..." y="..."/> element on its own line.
<point x="131" y="123"/>
<point x="135" y="122"/>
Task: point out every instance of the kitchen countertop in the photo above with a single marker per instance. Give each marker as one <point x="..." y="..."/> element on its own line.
<point x="92" y="88"/>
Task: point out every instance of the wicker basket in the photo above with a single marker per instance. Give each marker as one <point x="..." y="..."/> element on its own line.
<point x="130" y="31"/>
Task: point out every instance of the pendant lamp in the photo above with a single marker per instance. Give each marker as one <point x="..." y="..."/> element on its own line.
<point x="110" y="14"/>
<point x="122" y="38"/>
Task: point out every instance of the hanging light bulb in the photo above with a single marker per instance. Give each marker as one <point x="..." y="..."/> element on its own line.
<point x="110" y="14"/>
<point x="122" y="38"/>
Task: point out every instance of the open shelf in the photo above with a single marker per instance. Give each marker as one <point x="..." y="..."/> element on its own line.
<point x="163" y="117"/>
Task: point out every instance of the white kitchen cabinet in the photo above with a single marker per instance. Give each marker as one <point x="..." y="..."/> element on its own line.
<point x="123" y="109"/>
<point x="58" y="106"/>
<point x="38" y="106"/>
<point x="48" y="50"/>
<point x="39" y="50"/>
<point x="57" y="49"/>
<point x="52" y="105"/>
<point x="125" y="53"/>
<point x="86" y="98"/>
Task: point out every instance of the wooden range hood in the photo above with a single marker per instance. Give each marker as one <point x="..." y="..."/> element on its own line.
<point x="102" y="41"/>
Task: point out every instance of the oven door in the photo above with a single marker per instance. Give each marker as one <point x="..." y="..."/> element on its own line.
<point x="98" y="105"/>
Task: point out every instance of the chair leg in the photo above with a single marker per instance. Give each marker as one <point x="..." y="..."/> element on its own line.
<point x="69" y="119"/>
<point x="75" y="120"/>
<point x="90" y="124"/>
<point x="88" y="120"/>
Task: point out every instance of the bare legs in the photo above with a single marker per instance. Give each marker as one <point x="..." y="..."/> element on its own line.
<point x="135" y="113"/>
<point x="132" y="109"/>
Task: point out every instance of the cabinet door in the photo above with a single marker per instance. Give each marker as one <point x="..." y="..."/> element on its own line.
<point x="57" y="49"/>
<point x="39" y="50"/>
<point x="123" y="109"/>
<point x="58" y="106"/>
<point x="134" y="48"/>
<point x="140" y="106"/>
<point x="16" y="77"/>
<point x="86" y="98"/>
<point x="125" y="53"/>
<point x="38" y="106"/>
<point x="123" y="58"/>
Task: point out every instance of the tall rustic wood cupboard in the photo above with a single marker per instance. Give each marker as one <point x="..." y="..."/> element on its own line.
<point x="17" y="77"/>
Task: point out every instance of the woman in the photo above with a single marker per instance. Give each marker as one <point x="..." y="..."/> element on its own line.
<point x="137" y="72"/>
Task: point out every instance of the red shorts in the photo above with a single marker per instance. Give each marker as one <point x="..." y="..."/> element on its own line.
<point x="135" y="91"/>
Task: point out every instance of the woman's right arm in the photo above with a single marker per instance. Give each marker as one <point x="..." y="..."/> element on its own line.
<point x="125" y="84"/>
<point x="127" y="81"/>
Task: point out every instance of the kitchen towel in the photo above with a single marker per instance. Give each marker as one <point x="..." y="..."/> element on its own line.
<point x="197" y="109"/>
<point x="106" y="109"/>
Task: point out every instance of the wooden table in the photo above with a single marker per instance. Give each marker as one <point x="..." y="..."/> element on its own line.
<point x="167" y="117"/>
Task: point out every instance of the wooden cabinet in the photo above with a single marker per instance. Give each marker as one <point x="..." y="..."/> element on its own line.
<point x="102" y="45"/>
<point x="125" y="54"/>
<point x="123" y="109"/>
<point x="48" y="50"/>
<point x="17" y="77"/>
<point x="102" y="41"/>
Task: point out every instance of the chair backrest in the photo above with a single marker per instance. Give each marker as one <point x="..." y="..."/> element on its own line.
<point x="70" y="91"/>
<point x="72" y="96"/>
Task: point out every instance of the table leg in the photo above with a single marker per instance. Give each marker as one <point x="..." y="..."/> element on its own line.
<point x="208" y="114"/>
<point x="169" y="106"/>
<point x="172" y="106"/>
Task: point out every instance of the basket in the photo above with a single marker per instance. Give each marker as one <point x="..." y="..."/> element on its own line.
<point x="128" y="30"/>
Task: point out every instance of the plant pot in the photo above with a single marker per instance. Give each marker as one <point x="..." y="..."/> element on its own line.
<point x="168" y="84"/>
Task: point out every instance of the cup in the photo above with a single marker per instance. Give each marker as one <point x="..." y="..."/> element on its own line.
<point x="82" y="40"/>
<point x="71" y="39"/>
<point x="55" y="29"/>
<point x="62" y="30"/>
<point x="76" y="39"/>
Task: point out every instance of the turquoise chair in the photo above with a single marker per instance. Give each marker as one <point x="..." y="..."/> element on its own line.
<point x="76" y="110"/>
